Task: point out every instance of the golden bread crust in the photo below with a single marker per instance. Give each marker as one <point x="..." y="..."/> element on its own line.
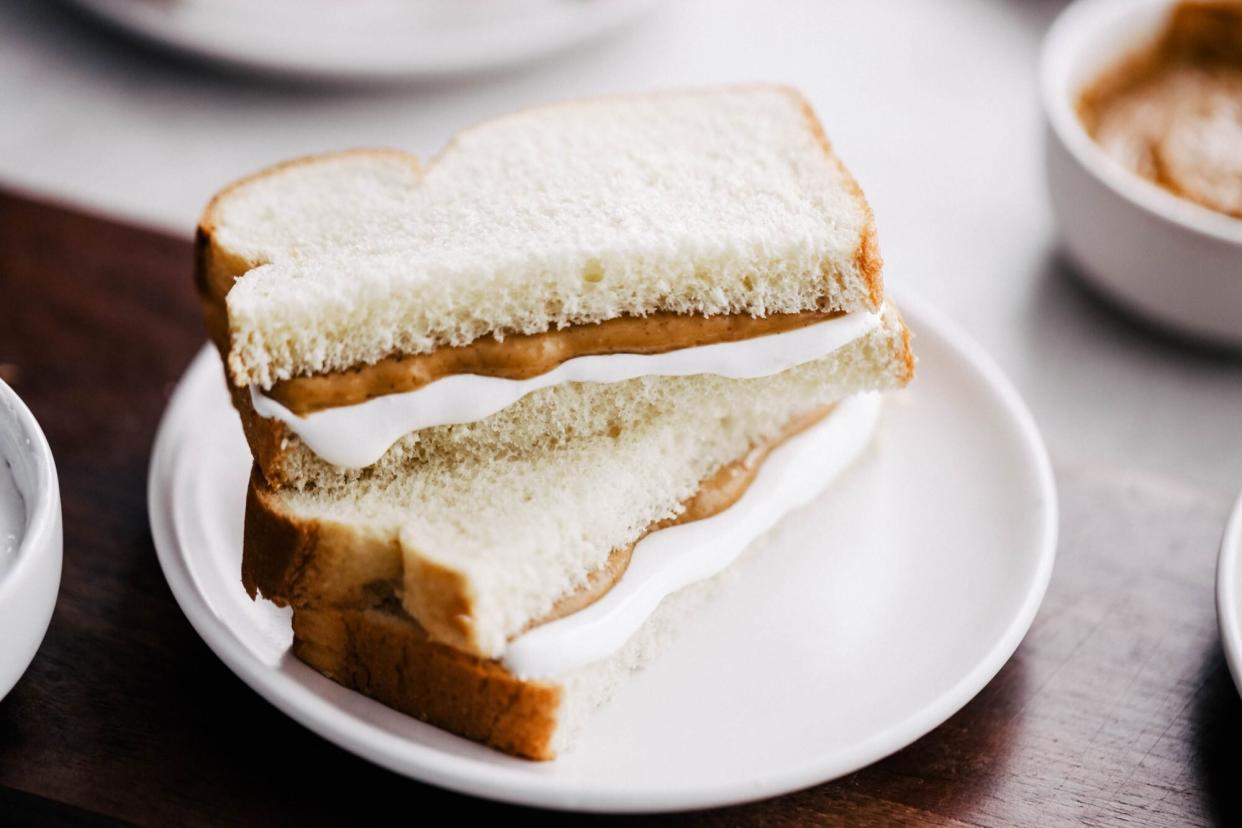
<point x="387" y="656"/>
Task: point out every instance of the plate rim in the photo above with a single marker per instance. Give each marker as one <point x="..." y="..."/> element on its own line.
<point x="1228" y="594"/>
<point x="160" y="27"/>
<point x="464" y="775"/>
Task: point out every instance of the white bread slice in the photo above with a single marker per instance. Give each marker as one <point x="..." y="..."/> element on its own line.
<point x="384" y="654"/>
<point x="486" y="528"/>
<point x="708" y="202"/>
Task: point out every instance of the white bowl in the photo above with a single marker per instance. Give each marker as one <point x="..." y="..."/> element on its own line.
<point x="30" y="580"/>
<point x="1169" y="259"/>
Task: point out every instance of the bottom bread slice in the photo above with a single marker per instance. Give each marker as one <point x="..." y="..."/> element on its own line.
<point x="386" y="655"/>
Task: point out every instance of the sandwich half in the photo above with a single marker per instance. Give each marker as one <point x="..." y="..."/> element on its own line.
<point x="361" y="300"/>
<point x="514" y="412"/>
<point x="502" y="595"/>
<point x="502" y="600"/>
<point x="479" y="541"/>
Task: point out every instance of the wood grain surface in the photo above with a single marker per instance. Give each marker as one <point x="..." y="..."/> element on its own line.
<point x="1116" y="710"/>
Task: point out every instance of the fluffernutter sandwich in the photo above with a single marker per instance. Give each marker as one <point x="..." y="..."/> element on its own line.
<point x="513" y="410"/>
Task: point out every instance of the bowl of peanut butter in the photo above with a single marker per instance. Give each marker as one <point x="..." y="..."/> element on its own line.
<point x="1143" y="109"/>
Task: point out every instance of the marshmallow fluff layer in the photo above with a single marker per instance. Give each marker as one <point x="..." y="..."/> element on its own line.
<point x="676" y="557"/>
<point x="354" y="436"/>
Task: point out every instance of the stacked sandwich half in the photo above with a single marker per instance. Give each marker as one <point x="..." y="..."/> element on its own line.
<point x="512" y="410"/>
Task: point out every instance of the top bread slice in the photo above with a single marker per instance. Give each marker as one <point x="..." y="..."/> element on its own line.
<point x="708" y="202"/>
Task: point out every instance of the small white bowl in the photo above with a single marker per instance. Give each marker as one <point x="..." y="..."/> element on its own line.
<point x="1169" y="259"/>
<point x="30" y="580"/>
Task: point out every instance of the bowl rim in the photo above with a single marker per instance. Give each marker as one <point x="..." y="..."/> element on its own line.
<point x="1064" y="42"/>
<point x="42" y="518"/>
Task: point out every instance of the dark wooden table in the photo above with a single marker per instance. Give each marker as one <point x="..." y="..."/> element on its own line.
<point x="1117" y="709"/>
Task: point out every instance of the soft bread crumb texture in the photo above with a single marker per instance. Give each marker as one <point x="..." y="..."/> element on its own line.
<point x="710" y="202"/>
<point x="514" y="524"/>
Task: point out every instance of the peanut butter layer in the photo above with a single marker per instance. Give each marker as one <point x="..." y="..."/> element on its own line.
<point x="715" y="494"/>
<point x="1172" y="112"/>
<point x="528" y="355"/>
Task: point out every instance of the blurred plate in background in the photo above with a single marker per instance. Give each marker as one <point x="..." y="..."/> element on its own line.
<point x="367" y="40"/>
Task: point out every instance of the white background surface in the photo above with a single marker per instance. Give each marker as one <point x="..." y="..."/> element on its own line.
<point x="932" y="104"/>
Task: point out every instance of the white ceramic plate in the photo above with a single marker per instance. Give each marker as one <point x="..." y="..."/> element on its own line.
<point x="1229" y="593"/>
<point x="367" y="39"/>
<point x="862" y="622"/>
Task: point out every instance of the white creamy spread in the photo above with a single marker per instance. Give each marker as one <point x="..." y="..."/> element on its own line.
<point x="354" y="436"/>
<point x="12" y="516"/>
<point x="670" y="559"/>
